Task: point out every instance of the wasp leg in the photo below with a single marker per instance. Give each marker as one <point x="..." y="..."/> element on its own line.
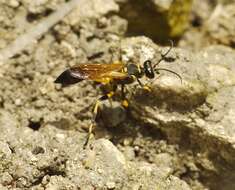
<point x="138" y="80"/>
<point x="140" y="83"/>
<point x="95" y="113"/>
<point x="125" y="102"/>
<point x="110" y="94"/>
<point x="144" y="86"/>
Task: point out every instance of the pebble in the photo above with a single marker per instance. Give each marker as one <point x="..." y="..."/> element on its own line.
<point x="13" y="3"/>
<point x="5" y="178"/>
<point x="110" y="185"/>
<point x="18" y="102"/>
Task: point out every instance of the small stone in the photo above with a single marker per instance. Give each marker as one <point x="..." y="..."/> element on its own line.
<point x="129" y="153"/>
<point x="136" y="149"/>
<point x="5" y="150"/>
<point x="60" y="137"/>
<point x="21" y="182"/>
<point x="90" y="160"/>
<point x="126" y="141"/>
<point x="110" y="185"/>
<point x="100" y="171"/>
<point x="3" y="187"/>
<point x="5" y="178"/>
<point x="163" y="160"/>
<point x="102" y="23"/>
<point x="13" y="3"/>
<point x="45" y="180"/>
<point x="43" y="90"/>
<point x="38" y="150"/>
<point x="69" y="48"/>
<point x="18" y="102"/>
<point x="136" y="186"/>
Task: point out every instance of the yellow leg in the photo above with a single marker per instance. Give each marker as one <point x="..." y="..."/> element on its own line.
<point x="144" y="86"/>
<point x="148" y="88"/>
<point x="125" y="103"/>
<point x="90" y="134"/>
<point x="95" y="112"/>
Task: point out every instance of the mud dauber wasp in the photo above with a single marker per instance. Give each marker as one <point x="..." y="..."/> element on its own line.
<point x="113" y="74"/>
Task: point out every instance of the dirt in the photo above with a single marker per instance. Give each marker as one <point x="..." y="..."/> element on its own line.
<point x="178" y="135"/>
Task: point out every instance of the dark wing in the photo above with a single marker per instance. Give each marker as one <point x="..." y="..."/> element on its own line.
<point x="98" y="72"/>
<point x="66" y="78"/>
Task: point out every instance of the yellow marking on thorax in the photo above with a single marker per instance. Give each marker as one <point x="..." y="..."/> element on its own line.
<point x="117" y="62"/>
<point x="104" y="80"/>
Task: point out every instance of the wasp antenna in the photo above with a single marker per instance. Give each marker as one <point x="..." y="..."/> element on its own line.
<point x="172" y="45"/>
<point x="165" y="54"/>
<point x="163" y="69"/>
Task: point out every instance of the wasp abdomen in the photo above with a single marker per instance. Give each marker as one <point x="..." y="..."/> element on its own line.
<point x="67" y="78"/>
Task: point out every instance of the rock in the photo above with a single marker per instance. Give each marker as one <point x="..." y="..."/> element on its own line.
<point x="212" y="24"/>
<point x="92" y="9"/>
<point x="110" y="185"/>
<point x="201" y="108"/>
<point x="221" y="24"/>
<point x="5" y="151"/>
<point x="112" y="115"/>
<point x="87" y="167"/>
<point x="5" y="179"/>
<point x="14" y="3"/>
<point x="147" y="176"/>
<point x="59" y="182"/>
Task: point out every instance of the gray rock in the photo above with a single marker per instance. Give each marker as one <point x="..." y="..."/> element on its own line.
<point x="199" y="112"/>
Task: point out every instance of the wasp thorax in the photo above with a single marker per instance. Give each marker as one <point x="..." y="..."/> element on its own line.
<point x="132" y="69"/>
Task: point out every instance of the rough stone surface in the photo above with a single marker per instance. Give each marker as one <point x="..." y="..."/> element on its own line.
<point x="199" y="113"/>
<point x="176" y="136"/>
<point x="213" y="23"/>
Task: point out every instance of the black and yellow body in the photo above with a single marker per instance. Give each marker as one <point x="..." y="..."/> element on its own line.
<point x="113" y="74"/>
<point x="118" y="73"/>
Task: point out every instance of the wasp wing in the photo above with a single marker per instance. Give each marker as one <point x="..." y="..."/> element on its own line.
<point x="95" y="71"/>
<point x="103" y="73"/>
